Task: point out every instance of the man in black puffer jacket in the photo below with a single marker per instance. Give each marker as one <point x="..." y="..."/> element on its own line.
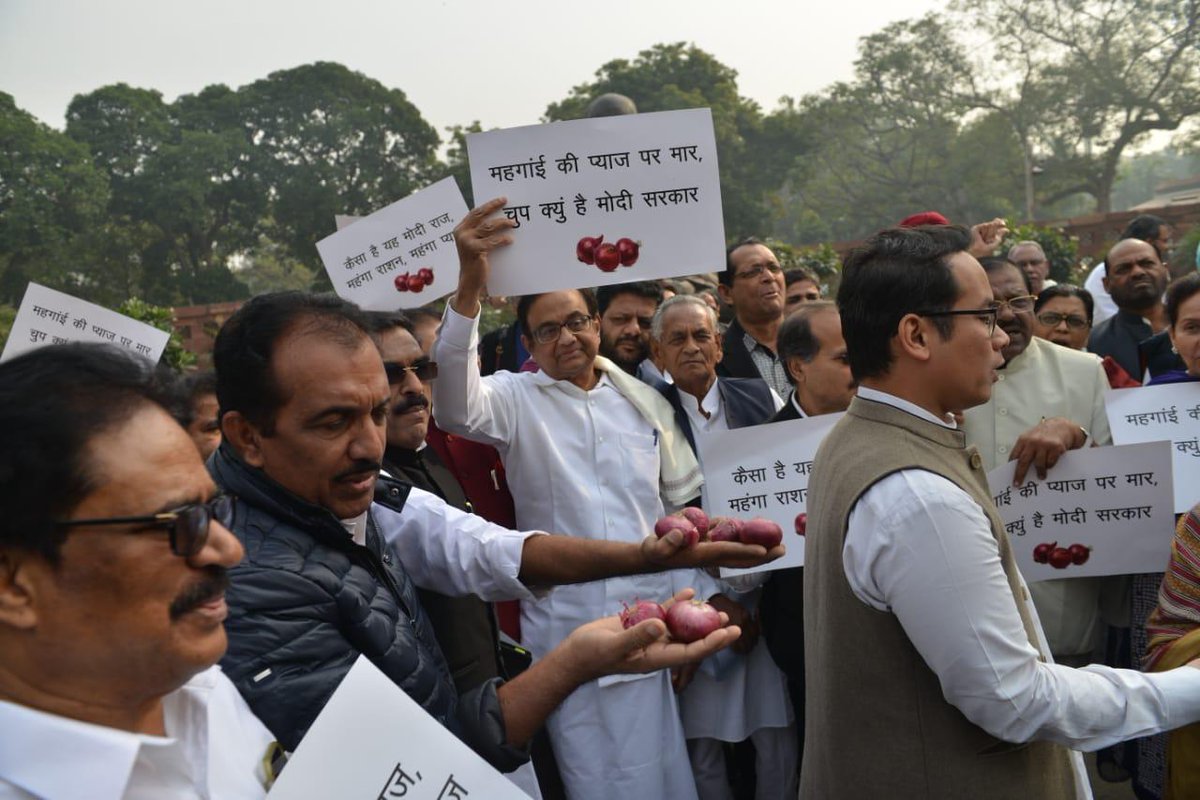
<point x="333" y="552"/>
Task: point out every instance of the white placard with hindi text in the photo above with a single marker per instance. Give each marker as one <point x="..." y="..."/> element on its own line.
<point x="372" y="741"/>
<point x="646" y="178"/>
<point x="375" y="262"/>
<point x="1155" y="413"/>
<point x="1116" y="500"/>
<point x="763" y="471"/>
<point x="48" y="316"/>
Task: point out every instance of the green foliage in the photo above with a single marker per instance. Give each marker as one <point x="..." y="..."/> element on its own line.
<point x="331" y="141"/>
<point x="1062" y="251"/>
<point x="1186" y="255"/>
<point x="7" y="315"/>
<point x="268" y="268"/>
<point x="174" y="355"/>
<point x="49" y="191"/>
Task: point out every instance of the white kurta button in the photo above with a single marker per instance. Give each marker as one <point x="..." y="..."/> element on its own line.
<point x="1001" y="449"/>
<point x="1002" y="412"/>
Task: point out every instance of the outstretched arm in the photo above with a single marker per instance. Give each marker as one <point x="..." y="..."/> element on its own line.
<point x="554" y="560"/>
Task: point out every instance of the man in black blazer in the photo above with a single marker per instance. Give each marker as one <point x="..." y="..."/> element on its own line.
<point x="753" y="286"/>
<point x="814" y="353"/>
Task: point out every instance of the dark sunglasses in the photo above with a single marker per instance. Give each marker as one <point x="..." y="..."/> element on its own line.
<point x="187" y="525"/>
<point x="424" y="370"/>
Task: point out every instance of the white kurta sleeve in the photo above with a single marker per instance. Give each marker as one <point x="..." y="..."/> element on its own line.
<point x="465" y="403"/>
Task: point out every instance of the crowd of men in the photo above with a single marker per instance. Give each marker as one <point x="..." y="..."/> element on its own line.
<point x="469" y="513"/>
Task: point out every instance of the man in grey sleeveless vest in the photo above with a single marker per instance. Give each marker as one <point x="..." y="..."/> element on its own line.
<point x="927" y="673"/>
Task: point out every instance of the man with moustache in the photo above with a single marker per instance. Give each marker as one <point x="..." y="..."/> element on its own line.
<point x="1136" y="278"/>
<point x="1047" y="400"/>
<point x="335" y="552"/>
<point x="591" y="451"/>
<point x="753" y="286"/>
<point x="924" y="671"/>
<point x="686" y="340"/>
<point x="625" y="313"/>
<point x="114" y="554"/>
<point x="465" y="626"/>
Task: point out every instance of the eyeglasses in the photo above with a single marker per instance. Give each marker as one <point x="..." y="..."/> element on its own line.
<point x="424" y="370"/>
<point x="1052" y="319"/>
<point x="550" y="331"/>
<point x="758" y="269"/>
<point x="1018" y="305"/>
<point x="187" y="525"/>
<point x="1030" y="262"/>
<point x="985" y="315"/>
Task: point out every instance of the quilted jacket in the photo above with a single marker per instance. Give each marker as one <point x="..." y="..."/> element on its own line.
<point x="306" y="601"/>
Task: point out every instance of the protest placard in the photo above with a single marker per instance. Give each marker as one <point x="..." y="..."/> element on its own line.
<point x="763" y="471"/>
<point x="1162" y="413"/>
<point x="402" y="256"/>
<point x="47" y="316"/>
<point x="646" y="183"/>
<point x="1114" y="502"/>
<point x="372" y="741"/>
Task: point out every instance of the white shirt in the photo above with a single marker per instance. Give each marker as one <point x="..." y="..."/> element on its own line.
<point x="919" y="547"/>
<point x="214" y="748"/>
<point x="701" y="424"/>
<point x="1104" y="305"/>
<point x="714" y="405"/>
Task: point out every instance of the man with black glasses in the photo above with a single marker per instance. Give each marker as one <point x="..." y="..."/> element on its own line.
<point x="925" y="675"/>
<point x="1047" y="400"/>
<point x="114" y="554"/>
<point x="590" y="451"/>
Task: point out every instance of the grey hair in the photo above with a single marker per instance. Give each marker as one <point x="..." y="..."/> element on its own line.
<point x="656" y="327"/>
<point x="1026" y="243"/>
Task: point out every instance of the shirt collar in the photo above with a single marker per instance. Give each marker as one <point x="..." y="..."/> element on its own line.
<point x="711" y="401"/>
<point x="36" y="760"/>
<point x="796" y="405"/>
<point x="867" y="393"/>
<point x="753" y="344"/>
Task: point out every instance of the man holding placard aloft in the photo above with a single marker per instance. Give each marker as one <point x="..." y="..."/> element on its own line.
<point x="591" y="451"/>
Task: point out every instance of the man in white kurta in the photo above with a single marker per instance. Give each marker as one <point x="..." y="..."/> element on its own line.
<point x="1043" y="388"/>
<point x="588" y="451"/>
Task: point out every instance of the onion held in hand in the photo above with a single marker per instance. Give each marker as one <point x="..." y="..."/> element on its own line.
<point x="802" y="523"/>
<point x="724" y="529"/>
<point x="698" y="518"/>
<point x="640" y="611"/>
<point x="762" y="531"/>
<point x="692" y="620"/>
<point x="673" y="522"/>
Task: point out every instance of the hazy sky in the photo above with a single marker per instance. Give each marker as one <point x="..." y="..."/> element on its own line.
<point x="457" y="60"/>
